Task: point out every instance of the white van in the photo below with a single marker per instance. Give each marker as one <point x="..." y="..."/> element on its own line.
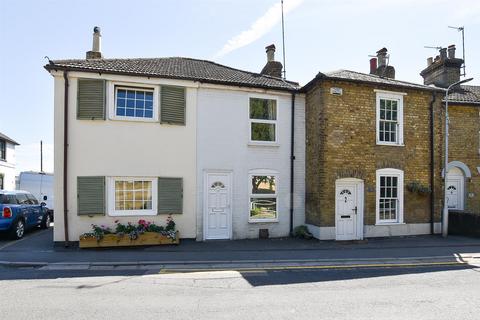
<point x="39" y="184"/>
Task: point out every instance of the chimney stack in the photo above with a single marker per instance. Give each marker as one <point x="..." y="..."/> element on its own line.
<point x="444" y="69"/>
<point x="96" y="52"/>
<point x="383" y="69"/>
<point x="373" y="66"/>
<point x="272" y="68"/>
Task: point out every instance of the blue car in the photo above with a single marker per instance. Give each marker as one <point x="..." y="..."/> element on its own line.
<point x="19" y="211"/>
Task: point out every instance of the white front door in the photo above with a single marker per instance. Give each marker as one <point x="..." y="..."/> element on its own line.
<point x="349" y="210"/>
<point x="455" y="192"/>
<point x="217" y="206"/>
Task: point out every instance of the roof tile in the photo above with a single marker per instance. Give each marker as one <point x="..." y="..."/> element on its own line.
<point x="372" y="78"/>
<point x="176" y="68"/>
<point x="465" y="94"/>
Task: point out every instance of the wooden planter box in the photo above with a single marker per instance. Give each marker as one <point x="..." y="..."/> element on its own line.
<point x="112" y="240"/>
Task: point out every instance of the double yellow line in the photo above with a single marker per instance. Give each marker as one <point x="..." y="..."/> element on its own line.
<point x="345" y="266"/>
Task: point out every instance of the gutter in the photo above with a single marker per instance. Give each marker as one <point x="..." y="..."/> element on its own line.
<point x="432" y="164"/>
<point x="292" y="160"/>
<point x="65" y="157"/>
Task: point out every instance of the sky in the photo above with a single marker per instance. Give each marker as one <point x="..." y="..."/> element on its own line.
<point x="320" y="36"/>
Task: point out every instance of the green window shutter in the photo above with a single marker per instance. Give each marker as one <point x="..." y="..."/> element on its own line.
<point x="90" y="195"/>
<point x="170" y="195"/>
<point x="172" y="105"/>
<point x="91" y="99"/>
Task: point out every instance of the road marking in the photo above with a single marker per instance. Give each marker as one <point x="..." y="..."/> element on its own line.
<point x="351" y="266"/>
<point x="8" y="244"/>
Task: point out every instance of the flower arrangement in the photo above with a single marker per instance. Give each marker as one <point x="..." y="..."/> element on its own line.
<point x="132" y="230"/>
<point x="418" y="187"/>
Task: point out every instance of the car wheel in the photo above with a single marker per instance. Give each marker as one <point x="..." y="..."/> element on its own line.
<point x="18" y="230"/>
<point x="46" y="221"/>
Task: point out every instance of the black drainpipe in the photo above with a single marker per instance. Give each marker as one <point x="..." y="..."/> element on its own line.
<point x="432" y="164"/>
<point x="292" y="159"/>
<point x="65" y="157"/>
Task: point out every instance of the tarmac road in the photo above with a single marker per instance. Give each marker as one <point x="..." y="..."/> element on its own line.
<point x="433" y="292"/>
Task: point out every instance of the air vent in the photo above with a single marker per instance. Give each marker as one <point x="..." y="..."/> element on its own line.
<point x="336" y="91"/>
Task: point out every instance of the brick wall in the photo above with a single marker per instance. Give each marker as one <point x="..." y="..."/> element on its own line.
<point x="464" y="147"/>
<point x="341" y="142"/>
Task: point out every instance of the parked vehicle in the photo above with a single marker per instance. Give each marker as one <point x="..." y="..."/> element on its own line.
<point x="19" y="211"/>
<point x="40" y="184"/>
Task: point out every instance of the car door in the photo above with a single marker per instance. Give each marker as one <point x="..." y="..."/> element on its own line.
<point x="35" y="209"/>
<point x="24" y="207"/>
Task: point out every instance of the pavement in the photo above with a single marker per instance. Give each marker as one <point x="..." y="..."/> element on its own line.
<point x="37" y="250"/>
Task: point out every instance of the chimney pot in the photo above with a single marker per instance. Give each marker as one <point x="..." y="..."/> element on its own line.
<point x="382" y="57"/>
<point x="443" y="53"/>
<point x="270" y="52"/>
<point x="373" y="66"/>
<point x="96" y="52"/>
<point x="429" y="61"/>
<point x="451" y="51"/>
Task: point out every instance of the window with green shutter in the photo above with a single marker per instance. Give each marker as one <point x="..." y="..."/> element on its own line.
<point x="90" y="195"/>
<point x="173" y="105"/>
<point x="91" y="99"/>
<point x="170" y="195"/>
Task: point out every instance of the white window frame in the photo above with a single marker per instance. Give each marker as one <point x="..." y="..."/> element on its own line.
<point x="126" y="213"/>
<point x="4" y="151"/>
<point x="389" y="172"/>
<point x="111" y="101"/>
<point x="252" y="195"/>
<point x="274" y="122"/>
<point x="387" y="95"/>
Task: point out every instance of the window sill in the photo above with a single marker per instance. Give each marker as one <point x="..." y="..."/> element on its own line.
<point x="389" y="223"/>
<point x="133" y="119"/>
<point x="263" y="221"/>
<point x="132" y="214"/>
<point x="263" y="144"/>
<point x="390" y="144"/>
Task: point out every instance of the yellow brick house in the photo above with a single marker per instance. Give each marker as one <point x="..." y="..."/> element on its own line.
<point x="463" y="175"/>
<point x="373" y="154"/>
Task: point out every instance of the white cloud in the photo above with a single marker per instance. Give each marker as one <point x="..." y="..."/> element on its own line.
<point x="259" y="28"/>
<point x="28" y="157"/>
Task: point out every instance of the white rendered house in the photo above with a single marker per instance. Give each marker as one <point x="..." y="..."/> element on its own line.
<point x="220" y="149"/>
<point x="7" y="162"/>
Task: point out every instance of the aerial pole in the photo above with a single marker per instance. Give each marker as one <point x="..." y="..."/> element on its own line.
<point x="461" y="29"/>
<point x="283" y="45"/>
<point x="41" y="156"/>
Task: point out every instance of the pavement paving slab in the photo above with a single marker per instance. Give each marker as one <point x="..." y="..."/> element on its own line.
<point x="37" y="250"/>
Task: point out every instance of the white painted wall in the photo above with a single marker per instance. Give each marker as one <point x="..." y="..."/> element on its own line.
<point x="7" y="168"/>
<point x="376" y="231"/>
<point x="223" y="144"/>
<point x="122" y="148"/>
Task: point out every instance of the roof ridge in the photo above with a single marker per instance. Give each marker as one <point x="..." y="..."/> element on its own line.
<point x="383" y="78"/>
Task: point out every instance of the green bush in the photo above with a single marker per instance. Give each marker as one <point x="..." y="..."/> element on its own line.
<point x="302" y="232"/>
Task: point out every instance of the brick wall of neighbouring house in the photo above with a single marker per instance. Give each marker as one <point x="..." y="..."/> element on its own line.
<point x="341" y="143"/>
<point x="464" y="147"/>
